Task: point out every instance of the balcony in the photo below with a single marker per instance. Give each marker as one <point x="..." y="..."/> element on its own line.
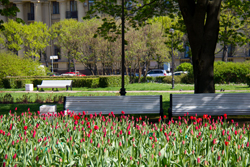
<point x="71" y="14"/>
<point x="31" y="16"/>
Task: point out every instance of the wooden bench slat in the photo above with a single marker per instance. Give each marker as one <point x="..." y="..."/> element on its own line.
<point x="116" y="104"/>
<point x="209" y="103"/>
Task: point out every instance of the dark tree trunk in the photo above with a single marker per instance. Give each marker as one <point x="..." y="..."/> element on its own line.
<point x="225" y="53"/>
<point x="202" y="22"/>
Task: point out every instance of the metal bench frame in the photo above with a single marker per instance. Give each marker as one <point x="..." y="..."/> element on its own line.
<point x="115" y="104"/>
<point x="209" y="103"/>
<point x="55" y="84"/>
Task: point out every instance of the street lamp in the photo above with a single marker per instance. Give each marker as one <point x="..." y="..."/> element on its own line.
<point x="172" y="50"/>
<point x="122" y="90"/>
<point x="52" y="58"/>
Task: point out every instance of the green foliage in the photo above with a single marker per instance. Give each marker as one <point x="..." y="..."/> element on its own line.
<point x="85" y="82"/>
<point x="185" y="67"/>
<point x="248" y="79"/>
<point x="12" y="65"/>
<point x="36" y="38"/>
<point x="8" y="10"/>
<point x="177" y="79"/>
<point x="12" y="35"/>
<point x="231" y="72"/>
<point x="112" y="81"/>
<point x="94" y="82"/>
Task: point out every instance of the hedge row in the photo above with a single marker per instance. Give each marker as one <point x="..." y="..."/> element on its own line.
<point x="230" y="72"/>
<point x="102" y="81"/>
<point x="166" y="79"/>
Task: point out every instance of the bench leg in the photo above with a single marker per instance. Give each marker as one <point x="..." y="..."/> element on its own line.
<point x="169" y="113"/>
<point x="67" y="88"/>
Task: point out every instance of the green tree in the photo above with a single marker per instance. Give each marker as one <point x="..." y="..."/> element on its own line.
<point x="65" y="34"/>
<point x="12" y="35"/>
<point x="232" y="25"/>
<point x="13" y="65"/>
<point x="36" y="38"/>
<point x="201" y="18"/>
<point x="8" y="10"/>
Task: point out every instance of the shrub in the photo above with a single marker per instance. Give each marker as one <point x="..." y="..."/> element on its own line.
<point x="13" y="65"/>
<point x="168" y="79"/>
<point x="112" y="81"/>
<point x="85" y="82"/>
<point x="231" y="72"/>
<point x="248" y="79"/>
<point x="185" y="67"/>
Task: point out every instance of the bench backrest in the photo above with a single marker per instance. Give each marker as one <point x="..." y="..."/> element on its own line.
<point x="56" y="82"/>
<point x="106" y="104"/>
<point x="210" y="103"/>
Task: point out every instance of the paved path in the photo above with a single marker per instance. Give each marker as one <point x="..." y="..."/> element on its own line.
<point x="110" y="91"/>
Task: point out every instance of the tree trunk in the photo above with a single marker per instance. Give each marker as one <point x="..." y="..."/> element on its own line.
<point x="225" y="53"/>
<point x="225" y="48"/>
<point x="202" y="21"/>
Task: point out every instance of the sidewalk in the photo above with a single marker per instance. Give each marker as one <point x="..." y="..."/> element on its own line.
<point x="153" y="91"/>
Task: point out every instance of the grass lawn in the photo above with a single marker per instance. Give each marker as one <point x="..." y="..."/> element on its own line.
<point x="5" y="108"/>
<point x="152" y="86"/>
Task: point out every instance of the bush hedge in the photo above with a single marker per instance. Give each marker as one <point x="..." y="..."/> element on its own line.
<point x="103" y="81"/>
<point x="230" y="72"/>
<point x="112" y="81"/>
<point x="248" y="79"/>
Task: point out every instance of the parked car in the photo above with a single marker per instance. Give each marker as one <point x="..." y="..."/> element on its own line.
<point x="72" y="74"/>
<point x="53" y="74"/>
<point x="180" y="72"/>
<point x="158" y="72"/>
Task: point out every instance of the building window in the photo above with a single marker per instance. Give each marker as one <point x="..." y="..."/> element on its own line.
<point x="31" y="15"/>
<point x="57" y="53"/>
<point x="73" y="5"/>
<point x="231" y="50"/>
<point x="186" y="52"/>
<point x="55" y="65"/>
<point x="32" y="8"/>
<point x="91" y="3"/>
<point x="55" y="7"/>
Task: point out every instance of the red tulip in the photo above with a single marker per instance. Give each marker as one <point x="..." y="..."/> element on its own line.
<point x="121" y="112"/>
<point x="14" y="157"/>
<point x="25" y="127"/>
<point x="226" y="143"/>
<point x="198" y="160"/>
<point x="235" y="132"/>
<point x="96" y="127"/>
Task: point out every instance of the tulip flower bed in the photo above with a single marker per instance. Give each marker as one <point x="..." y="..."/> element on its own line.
<point x="97" y="140"/>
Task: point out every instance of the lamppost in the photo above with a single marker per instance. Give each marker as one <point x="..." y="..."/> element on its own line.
<point x="172" y="50"/>
<point x="122" y="90"/>
<point x="52" y="58"/>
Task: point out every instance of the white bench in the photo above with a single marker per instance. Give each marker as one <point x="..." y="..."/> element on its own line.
<point x="55" y="84"/>
<point x="116" y="104"/>
<point x="209" y="103"/>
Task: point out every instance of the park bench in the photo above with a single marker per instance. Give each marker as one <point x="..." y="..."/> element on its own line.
<point x="209" y="103"/>
<point x="116" y="104"/>
<point x="55" y="84"/>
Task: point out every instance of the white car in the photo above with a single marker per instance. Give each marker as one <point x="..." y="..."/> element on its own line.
<point x="158" y="72"/>
<point x="180" y="72"/>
